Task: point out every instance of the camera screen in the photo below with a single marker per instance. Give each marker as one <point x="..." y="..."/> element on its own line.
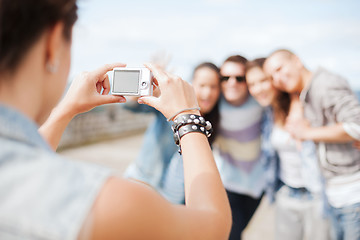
<point x="126" y="81"/>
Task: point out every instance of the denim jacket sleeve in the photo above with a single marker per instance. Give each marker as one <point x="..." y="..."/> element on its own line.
<point x="135" y="107"/>
<point x="269" y="156"/>
<point x="173" y="188"/>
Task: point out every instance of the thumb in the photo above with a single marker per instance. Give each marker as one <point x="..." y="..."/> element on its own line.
<point x="105" y="99"/>
<point x="149" y="100"/>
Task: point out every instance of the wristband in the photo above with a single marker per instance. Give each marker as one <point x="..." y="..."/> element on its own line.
<point x="190" y="123"/>
<point x="184" y="110"/>
<point x="188" y="119"/>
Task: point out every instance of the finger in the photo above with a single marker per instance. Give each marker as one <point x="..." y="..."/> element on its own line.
<point x="105" y="99"/>
<point x="159" y="74"/>
<point x="156" y="92"/>
<point x="98" y="87"/>
<point x="149" y="100"/>
<point x="171" y="75"/>
<point x="155" y="82"/>
<point x="106" y="85"/>
<point x="108" y="67"/>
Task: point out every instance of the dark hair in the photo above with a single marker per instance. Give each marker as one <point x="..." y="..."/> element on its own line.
<point x="281" y="104"/>
<point x="258" y="62"/>
<point x="237" y="59"/>
<point x="214" y="115"/>
<point x="207" y="65"/>
<point x="23" y="22"/>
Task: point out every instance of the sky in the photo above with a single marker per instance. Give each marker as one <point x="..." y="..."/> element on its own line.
<point x="185" y="33"/>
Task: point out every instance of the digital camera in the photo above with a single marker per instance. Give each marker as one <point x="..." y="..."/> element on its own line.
<point x="132" y="81"/>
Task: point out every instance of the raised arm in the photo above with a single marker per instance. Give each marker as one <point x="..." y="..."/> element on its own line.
<point x="130" y="210"/>
<point x="329" y="134"/>
<point x="88" y="90"/>
<point x="342" y="107"/>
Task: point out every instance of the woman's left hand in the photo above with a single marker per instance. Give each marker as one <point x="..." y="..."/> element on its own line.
<point x="90" y="89"/>
<point x="87" y="91"/>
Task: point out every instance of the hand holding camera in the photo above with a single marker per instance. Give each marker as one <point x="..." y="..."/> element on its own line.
<point x="175" y="94"/>
<point x="88" y="90"/>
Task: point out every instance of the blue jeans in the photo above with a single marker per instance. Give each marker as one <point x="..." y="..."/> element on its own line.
<point x="299" y="215"/>
<point x="346" y="222"/>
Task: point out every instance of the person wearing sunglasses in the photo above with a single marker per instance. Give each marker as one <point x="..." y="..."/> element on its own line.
<point x="237" y="147"/>
<point x="238" y="79"/>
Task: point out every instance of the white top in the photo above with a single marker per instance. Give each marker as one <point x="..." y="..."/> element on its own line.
<point x="290" y="158"/>
<point x="343" y="190"/>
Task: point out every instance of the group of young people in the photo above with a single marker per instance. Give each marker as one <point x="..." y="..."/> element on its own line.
<point x="279" y="129"/>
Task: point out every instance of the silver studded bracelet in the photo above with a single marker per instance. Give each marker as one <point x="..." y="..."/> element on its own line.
<point x="189" y="123"/>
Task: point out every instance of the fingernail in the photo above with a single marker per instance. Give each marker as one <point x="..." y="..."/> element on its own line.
<point x="122" y="100"/>
<point x="140" y="101"/>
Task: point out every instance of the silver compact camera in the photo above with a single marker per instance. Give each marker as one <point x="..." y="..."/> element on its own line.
<point x="132" y="81"/>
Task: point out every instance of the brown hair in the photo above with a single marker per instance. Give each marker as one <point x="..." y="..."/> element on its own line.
<point x="207" y="65"/>
<point x="258" y="62"/>
<point x="237" y="59"/>
<point x="23" y="22"/>
<point x="281" y="106"/>
<point x="281" y="103"/>
<point x="214" y="115"/>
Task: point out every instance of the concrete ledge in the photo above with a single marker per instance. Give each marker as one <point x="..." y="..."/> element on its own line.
<point x="103" y="123"/>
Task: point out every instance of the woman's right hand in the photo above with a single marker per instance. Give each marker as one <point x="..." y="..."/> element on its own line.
<point x="175" y="94"/>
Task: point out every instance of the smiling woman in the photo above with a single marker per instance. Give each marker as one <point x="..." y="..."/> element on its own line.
<point x="293" y="173"/>
<point x="261" y="88"/>
<point x="206" y="82"/>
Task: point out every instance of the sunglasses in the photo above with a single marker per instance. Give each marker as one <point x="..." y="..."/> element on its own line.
<point x="239" y="79"/>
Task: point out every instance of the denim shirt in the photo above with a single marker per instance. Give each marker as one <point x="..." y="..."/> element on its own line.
<point x="310" y="169"/>
<point x="42" y="195"/>
<point x="156" y="151"/>
<point x="269" y="156"/>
